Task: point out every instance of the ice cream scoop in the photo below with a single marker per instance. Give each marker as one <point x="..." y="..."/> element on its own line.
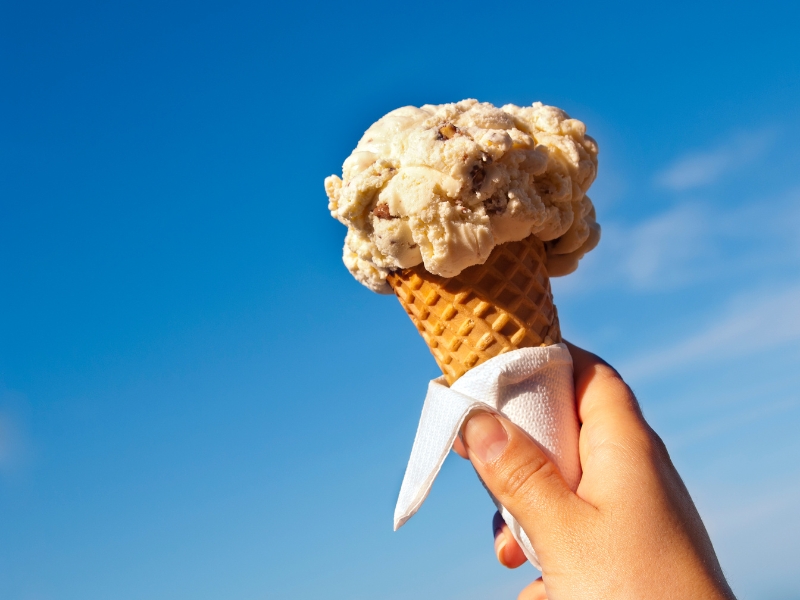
<point x="464" y="211"/>
<point x="442" y="186"/>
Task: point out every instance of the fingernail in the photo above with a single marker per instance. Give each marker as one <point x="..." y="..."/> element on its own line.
<point x="485" y="437"/>
<point x="497" y="524"/>
<point x="499" y="547"/>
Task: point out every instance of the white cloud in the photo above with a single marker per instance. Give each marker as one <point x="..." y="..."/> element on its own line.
<point x="756" y="532"/>
<point x="694" y="242"/>
<point x="656" y="253"/>
<point x="14" y="445"/>
<point x="754" y="510"/>
<point x="708" y="166"/>
<point x="662" y="251"/>
<point x="750" y="325"/>
<point x="726" y="422"/>
<point x="7" y="434"/>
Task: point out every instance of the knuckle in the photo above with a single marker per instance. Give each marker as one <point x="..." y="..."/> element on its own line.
<point x="606" y="372"/>
<point x="657" y="447"/>
<point x="647" y="443"/>
<point x="520" y="479"/>
<point x="607" y="376"/>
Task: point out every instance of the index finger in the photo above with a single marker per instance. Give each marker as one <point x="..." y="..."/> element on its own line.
<point x="603" y="397"/>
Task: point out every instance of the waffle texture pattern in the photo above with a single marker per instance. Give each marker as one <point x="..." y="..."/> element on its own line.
<point x="487" y="310"/>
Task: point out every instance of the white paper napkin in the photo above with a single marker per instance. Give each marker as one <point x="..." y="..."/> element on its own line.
<point x="532" y="387"/>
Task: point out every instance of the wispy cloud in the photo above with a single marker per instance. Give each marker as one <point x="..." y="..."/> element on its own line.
<point x="756" y="530"/>
<point x="656" y="253"/>
<point x="755" y="509"/>
<point x="726" y="422"/>
<point x="704" y="167"/>
<point x="751" y="324"/>
<point x="695" y="242"/>
<point x="14" y="447"/>
<point x="662" y="251"/>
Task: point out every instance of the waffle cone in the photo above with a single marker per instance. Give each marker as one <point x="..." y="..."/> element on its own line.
<point x="486" y="310"/>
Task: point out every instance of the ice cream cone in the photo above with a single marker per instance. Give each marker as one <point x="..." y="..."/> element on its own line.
<point x="486" y="310"/>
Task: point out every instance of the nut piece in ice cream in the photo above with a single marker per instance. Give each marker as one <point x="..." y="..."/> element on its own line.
<point x="444" y="185"/>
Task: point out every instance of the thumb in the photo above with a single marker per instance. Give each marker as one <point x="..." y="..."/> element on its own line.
<point x="521" y="477"/>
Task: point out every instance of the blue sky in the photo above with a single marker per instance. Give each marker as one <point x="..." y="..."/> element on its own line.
<point x="196" y="402"/>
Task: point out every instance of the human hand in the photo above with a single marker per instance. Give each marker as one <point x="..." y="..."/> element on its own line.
<point x="630" y="530"/>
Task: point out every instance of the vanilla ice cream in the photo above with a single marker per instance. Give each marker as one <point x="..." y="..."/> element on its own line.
<point x="443" y="185"/>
